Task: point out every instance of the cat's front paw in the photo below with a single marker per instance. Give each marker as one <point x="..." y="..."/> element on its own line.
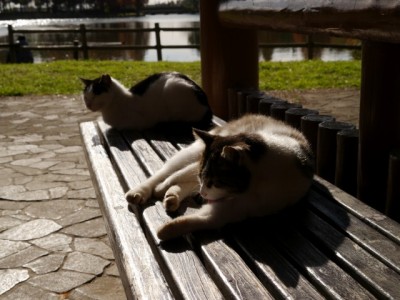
<point x="138" y="195"/>
<point x="167" y="232"/>
<point x="171" y="202"/>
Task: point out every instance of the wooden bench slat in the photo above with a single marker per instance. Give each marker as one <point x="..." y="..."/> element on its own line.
<point x="188" y="280"/>
<point x="229" y="269"/>
<point x="293" y="254"/>
<point x="273" y="269"/>
<point x="382" y="279"/>
<point x="322" y="272"/>
<point x="139" y="271"/>
<point x="183" y="265"/>
<point x="385" y="225"/>
<point x="120" y="149"/>
<point x="370" y="239"/>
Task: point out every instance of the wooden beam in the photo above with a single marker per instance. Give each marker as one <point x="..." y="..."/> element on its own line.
<point x="229" y="58"/>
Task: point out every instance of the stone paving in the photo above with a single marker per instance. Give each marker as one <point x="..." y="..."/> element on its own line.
<point x="53" y="242"/>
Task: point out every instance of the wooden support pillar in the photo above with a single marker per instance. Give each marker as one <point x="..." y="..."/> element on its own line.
<point x="379" y="119"/>
<point x="229" y="58"/>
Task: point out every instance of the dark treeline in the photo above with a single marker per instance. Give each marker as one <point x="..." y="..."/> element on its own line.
<point x="88" y="6"/>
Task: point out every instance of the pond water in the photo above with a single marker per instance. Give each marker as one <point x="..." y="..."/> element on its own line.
<point x="167" y="38"/>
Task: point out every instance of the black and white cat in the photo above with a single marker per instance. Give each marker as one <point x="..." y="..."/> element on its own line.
<point x="162" y="97"/>
<point x="252" y="166"/>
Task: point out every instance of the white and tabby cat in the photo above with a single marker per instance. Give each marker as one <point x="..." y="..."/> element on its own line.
<point x="162" y="97"/>
<point x="253" y="166"/>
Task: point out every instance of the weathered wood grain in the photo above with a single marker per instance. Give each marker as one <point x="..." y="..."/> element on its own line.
<point x="363" y="19"/>
<point x="187" y="280"/>
<point x="140" y="273"/>
<point x="376" y="243"/>
<point x="367" y="214"/>
<point x="381" y="279"/>
<point x="323" y="273"/>
<point x="281" y="277"/>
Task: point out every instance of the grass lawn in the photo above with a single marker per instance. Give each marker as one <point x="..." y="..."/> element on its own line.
<point x="61" y="77"/>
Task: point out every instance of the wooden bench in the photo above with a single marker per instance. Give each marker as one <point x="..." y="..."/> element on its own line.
<point x="329" y="246"/>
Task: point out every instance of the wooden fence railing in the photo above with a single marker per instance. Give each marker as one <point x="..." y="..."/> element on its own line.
<point x="80" y="47"/>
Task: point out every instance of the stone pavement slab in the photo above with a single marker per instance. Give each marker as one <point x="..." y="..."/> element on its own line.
<point x="53" y="242"/>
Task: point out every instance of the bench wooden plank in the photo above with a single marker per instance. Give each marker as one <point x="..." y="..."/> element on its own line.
<point x="297" y="260"/>
<point x="187" y="283"/>
<point x="281" y="277"/>
<point x="370" y="239"/>
<point x="357" y="261"/>
<point x="139" y="271"/>
<point x="323" y="272"/>
<point x="227" y="268"/>
<point x="371" y="216"/>
<point x="183" y="265"/>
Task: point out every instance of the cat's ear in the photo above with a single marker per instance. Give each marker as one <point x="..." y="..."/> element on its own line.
<point x="204" y="135"/>
<point x="106" y="79"/>
<point x="235" y="152"/>
<point x="86" y="82"/>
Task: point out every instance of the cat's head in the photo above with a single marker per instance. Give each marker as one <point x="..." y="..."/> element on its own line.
<point x="225" y="168"/>
<point x="95" y="91"/>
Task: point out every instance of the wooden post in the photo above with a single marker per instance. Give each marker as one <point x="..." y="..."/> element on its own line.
<point x="293" y="115"/>
<point x="252" y="101"/>
<point x="346" y="161"/>
<point x="310" y="46"/>
<point x="326" y="148"/>
<point x="278" y="110"/>
<point x="75" y="53"/>
<point x="309" y="127"/>
<point x="379" y="119"/>
<point x="82" y="28"/>
<point x="242" y="100"/>
<point x="229" y="58"/>
<point x="264" y="106"/>
<point x="392" y="208"/>
<point x="158" y="41"/>
<point x="233" y="103"/>
<point x="12" y="55"/>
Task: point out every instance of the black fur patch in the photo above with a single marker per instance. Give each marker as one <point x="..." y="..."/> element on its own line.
<point x="141" y="87"/>
<point x="98" y="87"/>
<point x="200" y="95"/>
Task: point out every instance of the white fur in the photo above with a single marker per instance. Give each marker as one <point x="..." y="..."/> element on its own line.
<point x="169" y="98"/>
<point x="276" y="180"/>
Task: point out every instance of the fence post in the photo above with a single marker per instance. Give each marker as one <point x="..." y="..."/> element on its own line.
<point x="11" y="58"/>
<point x="158" y="41"/>
<point x="310" y="46"/>
<point x="76" y="50"/>
<point x="82" y="28"/>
